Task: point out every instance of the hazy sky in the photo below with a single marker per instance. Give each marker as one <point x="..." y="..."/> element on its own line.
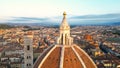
<point x="48" y="8"/>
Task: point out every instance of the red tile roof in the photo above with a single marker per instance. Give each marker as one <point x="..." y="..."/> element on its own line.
<point x="70" y="58"/>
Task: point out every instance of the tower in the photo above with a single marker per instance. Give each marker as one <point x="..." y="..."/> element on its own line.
<point x="64" y="38"/>
<point x="28" y="51"/>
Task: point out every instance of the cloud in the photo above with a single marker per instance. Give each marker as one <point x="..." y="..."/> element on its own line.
<point x="24" y="20"/>
<point x="85" y="19"/>
<point x="27" y="19"/>
<point x="95" y="19"/>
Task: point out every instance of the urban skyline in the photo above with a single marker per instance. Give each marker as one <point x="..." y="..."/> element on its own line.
<point x="27" y="47"/>
<point x="59" y="34"/>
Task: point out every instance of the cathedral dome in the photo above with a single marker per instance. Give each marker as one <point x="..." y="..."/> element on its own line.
<point x="64" y="54"/>
<point x="58" y="56"/>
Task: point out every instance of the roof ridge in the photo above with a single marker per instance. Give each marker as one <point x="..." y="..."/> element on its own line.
<point x="62" y="57"/>
<point x="87" y="56"/>
<point x="42" y="54"/>
<point x="46" y="56"/>
<point x="83" y="64"/>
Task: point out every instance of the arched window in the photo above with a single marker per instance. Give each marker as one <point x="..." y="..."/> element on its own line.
<point x="28" y="47"/>
<point x="29" y="57"/>
<point x="65" y="39"/>
<point x="29" y="64"/>
<point x="62" y="39"/>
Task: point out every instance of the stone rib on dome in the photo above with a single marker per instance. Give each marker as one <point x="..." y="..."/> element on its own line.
<point x="65" y="54"/>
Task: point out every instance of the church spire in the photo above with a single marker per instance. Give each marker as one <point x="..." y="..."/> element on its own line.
<point x="64" y="23"/>
<point x="64" y="38"/>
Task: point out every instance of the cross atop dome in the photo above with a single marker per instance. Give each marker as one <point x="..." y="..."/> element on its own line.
<point x="64" y="14"/>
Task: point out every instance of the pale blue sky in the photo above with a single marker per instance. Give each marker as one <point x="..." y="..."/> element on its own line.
<point x="48" y="8"/>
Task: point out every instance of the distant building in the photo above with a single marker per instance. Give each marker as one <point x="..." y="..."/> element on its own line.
<point x="88" y="37"/>
<point x="2" y="31"/>
<point x="11" y="61"/>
